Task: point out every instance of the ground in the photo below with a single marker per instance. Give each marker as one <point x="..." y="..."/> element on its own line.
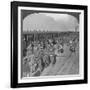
<point x="65" y="65"/>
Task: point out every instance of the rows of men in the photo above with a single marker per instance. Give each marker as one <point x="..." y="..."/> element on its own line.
<point x="40" y="54"/>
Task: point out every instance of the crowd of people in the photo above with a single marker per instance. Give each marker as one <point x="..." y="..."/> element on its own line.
<point x="40" y="54"/>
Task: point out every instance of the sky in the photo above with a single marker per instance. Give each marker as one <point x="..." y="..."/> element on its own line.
<point x="50" y="22"/>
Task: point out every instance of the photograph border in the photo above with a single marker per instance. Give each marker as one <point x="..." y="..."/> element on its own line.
<point x="14" y="43"/>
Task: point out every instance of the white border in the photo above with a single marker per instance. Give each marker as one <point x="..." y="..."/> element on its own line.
<point x="52" y="78"/>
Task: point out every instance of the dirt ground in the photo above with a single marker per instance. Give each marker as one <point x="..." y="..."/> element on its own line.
<point x="66" y="64"/>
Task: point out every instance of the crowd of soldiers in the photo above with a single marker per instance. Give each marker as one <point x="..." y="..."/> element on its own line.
<point x="40" y="54"/>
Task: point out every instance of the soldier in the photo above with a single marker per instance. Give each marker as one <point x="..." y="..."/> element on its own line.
<point x="46" y="60"/>
<point x="26" y="67"/>
<point x="72" y="46"/>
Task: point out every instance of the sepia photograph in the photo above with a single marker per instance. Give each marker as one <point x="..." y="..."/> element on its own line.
<point x="50" y="44"/>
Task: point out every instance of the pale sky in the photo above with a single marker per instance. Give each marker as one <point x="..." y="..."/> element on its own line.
<point x="49" y="22"/>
